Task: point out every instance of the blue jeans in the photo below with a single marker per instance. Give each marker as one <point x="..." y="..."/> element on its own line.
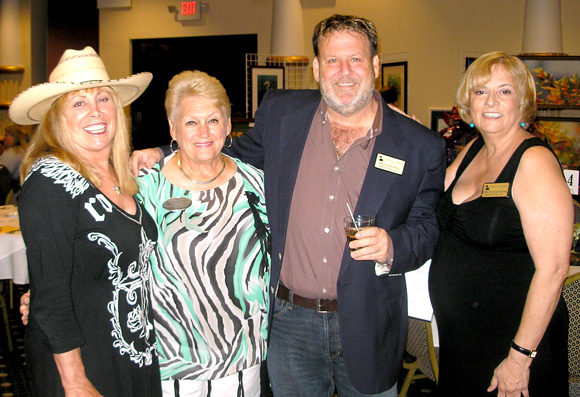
<point x="304" y="355"/>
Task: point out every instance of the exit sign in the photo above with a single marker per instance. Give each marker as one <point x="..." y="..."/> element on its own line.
<point x="189" y="10"/>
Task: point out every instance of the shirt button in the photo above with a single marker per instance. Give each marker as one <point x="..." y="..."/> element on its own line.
<point x="326" y="230"/>
<point x="280" y="255"/>
<point x="324" y="290"/>
<point x="475" y="304"/>
<point x="331" y="197"/>
<point x="324" y="260"/>
<point x="336" y="168"/>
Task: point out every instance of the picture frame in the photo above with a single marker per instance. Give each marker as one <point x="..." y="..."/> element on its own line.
<point x="557" y="82"/>
<point x="468" y="62"/>
<point x="394" y="76"/>
<point x="437" y="122"/>
<point x="265" y="78"/>
<point x="563" y="135"/>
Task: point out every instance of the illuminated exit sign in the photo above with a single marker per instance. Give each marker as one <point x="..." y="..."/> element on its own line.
<point x="189" y="10"/>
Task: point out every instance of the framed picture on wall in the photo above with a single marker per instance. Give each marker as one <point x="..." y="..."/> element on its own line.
<point x="437" y="121"/>
<point x="265" y="78"/>
<point x="557" y="83"/>
<point x="469" y="61"/>
<point x="563" y="135"/>
<point x="394" y="77"/>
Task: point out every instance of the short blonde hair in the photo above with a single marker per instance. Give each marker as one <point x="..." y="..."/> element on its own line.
<point x="52" y="137"/>
<point x="480" y="73"/>
<point x="194" y="83"/>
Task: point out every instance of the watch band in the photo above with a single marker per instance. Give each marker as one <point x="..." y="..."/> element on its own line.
<point x="525" y="352"/>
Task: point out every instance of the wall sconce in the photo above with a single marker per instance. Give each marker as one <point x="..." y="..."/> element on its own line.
<point x="188" y="10"/>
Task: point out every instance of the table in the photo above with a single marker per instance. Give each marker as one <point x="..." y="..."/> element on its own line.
<point x="12" y="250"/>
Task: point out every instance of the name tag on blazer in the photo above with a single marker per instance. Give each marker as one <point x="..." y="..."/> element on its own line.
<point x="389" y="164"/>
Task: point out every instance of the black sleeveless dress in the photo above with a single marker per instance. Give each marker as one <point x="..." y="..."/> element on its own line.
<point x="479" y="279"/>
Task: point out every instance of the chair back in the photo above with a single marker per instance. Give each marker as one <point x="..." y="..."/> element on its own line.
<point x="571" y="293"/>
<point x="576" y="211"/>
<point x="420" y="345"/>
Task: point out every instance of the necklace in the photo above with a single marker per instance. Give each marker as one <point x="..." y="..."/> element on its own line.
<point x="116" y="188"/>
<point x="198" y="182"/>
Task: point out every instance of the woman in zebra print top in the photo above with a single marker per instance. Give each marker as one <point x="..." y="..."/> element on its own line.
<point x="212" y="271"/>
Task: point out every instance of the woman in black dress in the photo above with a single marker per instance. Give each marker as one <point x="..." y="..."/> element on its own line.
<point x="506" y="222"/>
<point x="90" y="328"/>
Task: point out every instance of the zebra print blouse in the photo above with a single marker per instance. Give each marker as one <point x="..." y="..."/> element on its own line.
<point x="210" y="276"/>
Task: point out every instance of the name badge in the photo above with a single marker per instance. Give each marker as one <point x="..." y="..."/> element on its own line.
<point x="390" y="164"/>
<point x="491" y="190"/>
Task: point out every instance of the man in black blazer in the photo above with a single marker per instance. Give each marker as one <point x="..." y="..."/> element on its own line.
<point x="339" y="318"/>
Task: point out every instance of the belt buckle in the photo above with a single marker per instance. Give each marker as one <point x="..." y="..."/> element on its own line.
<point x="318" y="307"/>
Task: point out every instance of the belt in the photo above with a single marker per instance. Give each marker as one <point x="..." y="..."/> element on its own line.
<point x="320" y="305"/>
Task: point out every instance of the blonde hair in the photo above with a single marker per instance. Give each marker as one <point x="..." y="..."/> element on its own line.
<point x="194" y="83"/>
<point x="52" y="137"/>
<point x="20" y="137"/>
<point x="480" y="73"/>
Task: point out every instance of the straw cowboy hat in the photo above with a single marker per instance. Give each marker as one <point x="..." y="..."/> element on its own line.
<point x="76" y="70"/>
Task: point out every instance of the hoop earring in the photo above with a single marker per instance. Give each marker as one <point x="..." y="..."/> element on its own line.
<point x="231" y="141"/>
<point x="171" y="146"/>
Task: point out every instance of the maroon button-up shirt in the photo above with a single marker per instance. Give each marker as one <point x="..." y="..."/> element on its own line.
<point x="316" y="238"/>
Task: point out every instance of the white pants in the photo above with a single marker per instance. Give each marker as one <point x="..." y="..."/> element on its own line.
<point x="223" y="387"/>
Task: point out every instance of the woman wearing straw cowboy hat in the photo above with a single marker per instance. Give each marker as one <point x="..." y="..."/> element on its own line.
<point x="90" y="329"/>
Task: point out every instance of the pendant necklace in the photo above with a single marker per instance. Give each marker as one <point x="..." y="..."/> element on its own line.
<point x="116" y="188"/>
<point x="198" y="182"/>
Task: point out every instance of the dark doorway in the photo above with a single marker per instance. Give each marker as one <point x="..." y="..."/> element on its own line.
<point x="223" y="57"/>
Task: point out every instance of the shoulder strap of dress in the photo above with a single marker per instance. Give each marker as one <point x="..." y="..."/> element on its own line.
<point x="510" y="169"/>
<point x="471" y="153"/>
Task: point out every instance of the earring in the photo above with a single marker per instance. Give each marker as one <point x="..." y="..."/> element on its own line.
<point x="471" y="125"/>
<point x="231" y="141"/>
<point x="523" y="124"/>
<point x="171" y="146"/>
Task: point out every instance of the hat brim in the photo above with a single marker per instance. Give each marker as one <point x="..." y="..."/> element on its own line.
<point x="31" y="105"/>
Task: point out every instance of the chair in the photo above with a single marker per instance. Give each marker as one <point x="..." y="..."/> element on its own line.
<point x="6" y="323"/>
<point x="576" y="211"/>
<point x="571" y="293"/>
<point x="420" y="345"/>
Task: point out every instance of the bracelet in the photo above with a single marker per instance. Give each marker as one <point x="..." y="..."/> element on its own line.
<point x="525" y="352"/>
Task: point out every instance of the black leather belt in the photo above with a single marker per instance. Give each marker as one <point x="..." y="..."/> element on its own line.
<point x="320" y="305"/>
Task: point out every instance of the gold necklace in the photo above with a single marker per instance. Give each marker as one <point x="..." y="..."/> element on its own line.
<point x="198" y="182"/>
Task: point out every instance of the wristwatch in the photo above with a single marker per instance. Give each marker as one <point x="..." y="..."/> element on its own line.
<point x="525" y="352"/>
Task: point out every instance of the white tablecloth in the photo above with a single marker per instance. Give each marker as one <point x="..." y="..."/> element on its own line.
<point x="12" y="250"/>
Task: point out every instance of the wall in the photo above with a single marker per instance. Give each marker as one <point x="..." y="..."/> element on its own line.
<point x="432" y="32"/>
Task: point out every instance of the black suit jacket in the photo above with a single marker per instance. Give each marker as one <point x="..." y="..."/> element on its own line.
<point x="372" y="310"/>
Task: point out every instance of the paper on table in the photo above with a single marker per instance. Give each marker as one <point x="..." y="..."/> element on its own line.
<point x="418" y="301"/>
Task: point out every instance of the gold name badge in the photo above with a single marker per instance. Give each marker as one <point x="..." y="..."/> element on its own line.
<point x="495" y="189"/>
<point x="389" y="164"/>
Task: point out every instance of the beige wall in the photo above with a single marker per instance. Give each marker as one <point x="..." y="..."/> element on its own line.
<point x="433" y="32"/>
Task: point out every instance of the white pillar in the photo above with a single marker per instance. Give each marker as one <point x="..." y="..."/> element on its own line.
<point x="9" y="34"/>
<point x="542" y="28"/>
<point x="287" y="28"/>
